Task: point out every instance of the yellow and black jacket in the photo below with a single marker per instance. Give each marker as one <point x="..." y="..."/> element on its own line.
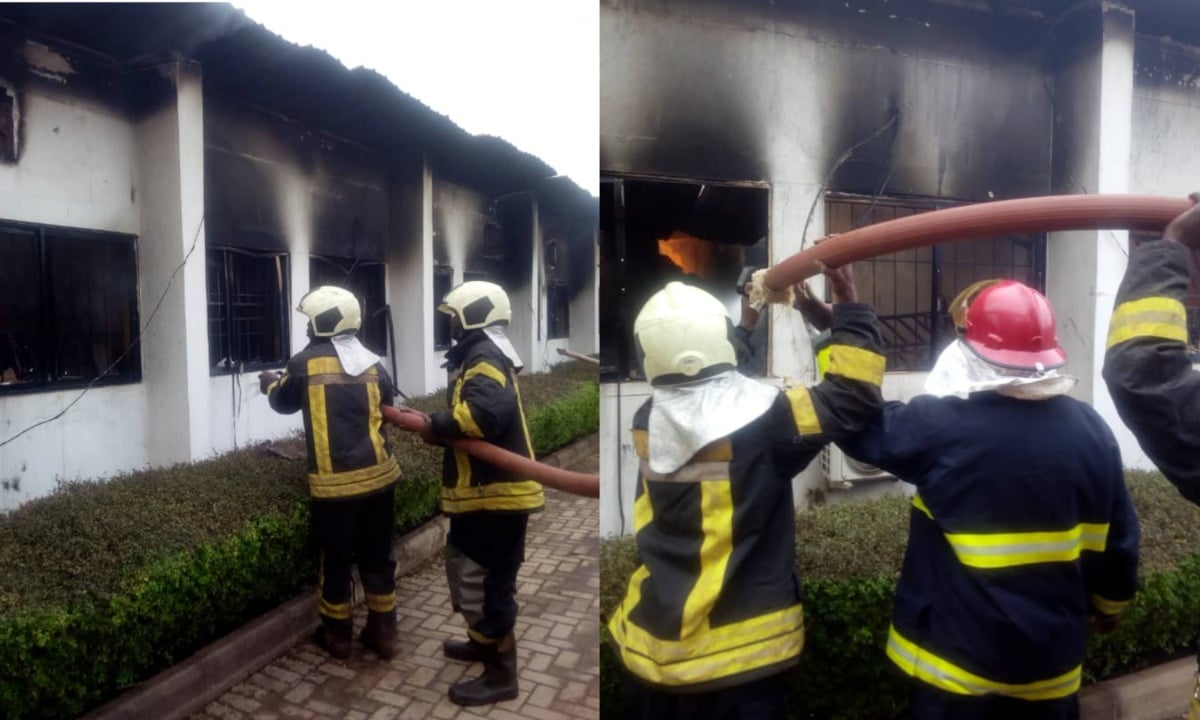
<point x="348" y="455"/>
<point x="1021" y="529"/>
<point x="1147" y="369"/>
<point x="716" y="601"/>
<point x="485" y="403"/>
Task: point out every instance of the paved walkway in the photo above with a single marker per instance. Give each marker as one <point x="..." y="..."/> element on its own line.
<point x="557" y="630"/>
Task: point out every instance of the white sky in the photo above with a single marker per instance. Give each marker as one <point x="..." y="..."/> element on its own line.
<point x="523" y="70"/>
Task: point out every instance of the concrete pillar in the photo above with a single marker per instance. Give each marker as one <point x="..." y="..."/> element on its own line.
<point x="1092" y="138"/>
<point x="585" y="326"/>
<point x="410" y="279"/>
<point x="170" y="162"/>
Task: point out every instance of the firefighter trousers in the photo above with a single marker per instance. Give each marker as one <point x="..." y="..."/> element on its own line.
<point x="929" y="703"/>
<point x="484" y="552"/>
<point x="762" y="699"/>
<point x="357" y="530"/>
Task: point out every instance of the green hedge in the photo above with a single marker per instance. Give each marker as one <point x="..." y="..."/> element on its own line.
<point x="849" y="556"/>
<point x="104" y="584"/>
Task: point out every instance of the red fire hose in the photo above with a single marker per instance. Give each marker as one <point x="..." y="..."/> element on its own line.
<point x="575" y="483"/>
<point x="1041" y="214"/>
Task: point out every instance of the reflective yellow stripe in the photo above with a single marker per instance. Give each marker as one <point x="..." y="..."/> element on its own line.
<point x="520" y="495"/>
<point x="1194" y="708"/>
<point x="1106" y="606"/>
<point x="731" y="649"/>
<point x="803" y="411"/>
<point x="717" y="451"/>
<point x="381" y="603"/>
<point x="487" y="370"/>
<point x="481" y="638"/>
<point x="466" y="422"/>
<point x="521" y="412"/>
<point x="919" y="663"/>
<point x="276" y="384"/>
<point x="919" y="504"/>
<point x="1160" y="317"/>
<point x="353" y="482"/>
<point x="855" y="363"/>
<point x="337" y="611"/>
<point x="998" y="550"/>
<point x="320" y="428"/>
<point x="324" y="366"/>
<point x="375" y="421"/>
<point x="643" y="511"/>
<point x="462" y="463"/>
<point x="716" y="524"/>
<point x="641" y="444"/>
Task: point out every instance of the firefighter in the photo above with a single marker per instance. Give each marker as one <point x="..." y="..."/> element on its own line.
<point x="1022" y="531"/>
<point x="488" y="507"/>
<point x="712" y="617"/>
<point x="339" y="386"/>
<point x="1149" y="374"/>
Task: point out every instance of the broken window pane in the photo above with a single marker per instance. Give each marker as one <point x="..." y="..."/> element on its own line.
<point x="68" y="314"/>
<point x="247" y="309"/>
<point x="367" y="280"/>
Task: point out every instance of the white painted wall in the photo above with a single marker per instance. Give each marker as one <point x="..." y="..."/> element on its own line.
<point x="77" y="169"/>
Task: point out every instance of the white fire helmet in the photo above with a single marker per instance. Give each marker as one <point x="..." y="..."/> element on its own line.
<point x="331" y="310"/>
<point x="477" y="304"/>
<point x="681" y="332"/>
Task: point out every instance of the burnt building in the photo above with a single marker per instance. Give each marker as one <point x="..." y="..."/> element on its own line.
<point x="180" y="169"/>
<point x="736" y="133"/>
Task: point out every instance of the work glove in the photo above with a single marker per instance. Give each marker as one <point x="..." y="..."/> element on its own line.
<point x="265" y="379"/>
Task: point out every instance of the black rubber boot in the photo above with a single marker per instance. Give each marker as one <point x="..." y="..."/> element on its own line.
<point x="380" y="633"/>
<point x="335" y="636"/>
<point x="466" y="650"/>
<point x="499" y="679"/>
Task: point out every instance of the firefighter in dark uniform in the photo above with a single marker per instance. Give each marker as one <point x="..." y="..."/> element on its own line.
<point x="1022" y="532"/>
<point x="339" y="386"/>
<point x="488" y="508"/>
<point x="712" y="617"/>
<point x="1147" y="368"/>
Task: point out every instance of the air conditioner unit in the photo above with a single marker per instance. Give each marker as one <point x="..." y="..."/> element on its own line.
<point x="843" y="471"/>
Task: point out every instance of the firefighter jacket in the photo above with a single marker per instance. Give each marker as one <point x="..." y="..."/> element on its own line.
<point x="1021" y="528"/>
<point x="485" y="403"/>
<point x="716" y="601"/>
<point x="1149" y="374"/>
<point x="348" y="455"/>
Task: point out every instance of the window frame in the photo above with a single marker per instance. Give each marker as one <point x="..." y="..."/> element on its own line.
<point x="46" y="316"/>
<point x="369" y="323"/>
<point x="441" y="319"/>
<point x="284" y="311"/>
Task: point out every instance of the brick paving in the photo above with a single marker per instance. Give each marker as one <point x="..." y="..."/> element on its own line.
<point x="557" y="630"/>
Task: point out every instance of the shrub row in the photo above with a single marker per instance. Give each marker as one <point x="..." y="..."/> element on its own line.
<point x="103" y="584"/>
<point x="849" y="556"/>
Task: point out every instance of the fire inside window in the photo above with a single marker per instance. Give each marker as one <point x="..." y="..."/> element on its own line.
<point x="68" y="314"/>
<point x="655" y="231"/>
<point x="1192" y="301"/>
<point x="912" y="290"/>
<point x="367" y="280"/>
<point x="248" y="313"/>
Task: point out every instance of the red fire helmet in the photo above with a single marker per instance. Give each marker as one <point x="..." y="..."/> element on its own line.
<point x="1012" y="325"/>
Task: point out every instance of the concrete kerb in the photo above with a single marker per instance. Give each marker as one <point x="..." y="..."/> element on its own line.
<point x="1158" y="693"/>
<point x="191" y="685"/>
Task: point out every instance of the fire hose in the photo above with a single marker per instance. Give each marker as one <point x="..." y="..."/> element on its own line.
<point x="1053" y="213"/>
<point x="576" y="483"/>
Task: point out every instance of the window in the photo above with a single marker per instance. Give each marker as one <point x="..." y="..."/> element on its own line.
<point x="656" y="231"/>
<point x="558" y="299"/>
<point x="68" y="311"/>
<point x="443" y="277"/>
<point x="367" y="280"/>
<point x="10" y="124"/>
<point x="911" y="290"/>
<point x="1191" y="301"/>
<point x="248" y="309"/>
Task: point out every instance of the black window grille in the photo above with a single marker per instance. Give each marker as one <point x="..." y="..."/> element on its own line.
<point x="443" y="277"/>
<point x="68" y="313"/>
<point x="367" y="280"/>
<point x="912" y="290"/>
<point x="558" y="312"/>
<point x="248" y="312"/>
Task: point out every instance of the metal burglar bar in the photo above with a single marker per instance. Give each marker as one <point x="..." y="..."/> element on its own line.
<point x="911" y="290"/>
<point x="247" y="309"/>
